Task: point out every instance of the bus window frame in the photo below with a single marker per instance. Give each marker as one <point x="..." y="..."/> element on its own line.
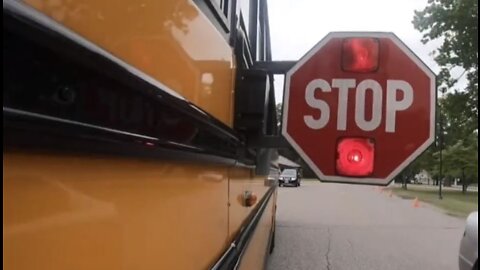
<point x="223" y="16"/>
<point x="217" y="16"/>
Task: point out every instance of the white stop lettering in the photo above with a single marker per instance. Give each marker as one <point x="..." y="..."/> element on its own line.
<point x="344" y="85"/>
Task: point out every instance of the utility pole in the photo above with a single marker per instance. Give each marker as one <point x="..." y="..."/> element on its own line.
<point x="440" y="139"/>
<point x="440" y="178"/>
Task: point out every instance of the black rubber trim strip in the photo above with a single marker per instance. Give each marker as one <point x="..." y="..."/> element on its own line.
<point x="24" y="132"/>
<point x="232" y="257"/>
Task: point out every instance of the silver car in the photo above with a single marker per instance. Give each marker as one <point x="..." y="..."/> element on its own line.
<point x="468" y="257"/>
<point x="289" y="177"/>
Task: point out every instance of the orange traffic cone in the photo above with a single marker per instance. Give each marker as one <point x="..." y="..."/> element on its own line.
<point x="416" y="203"/>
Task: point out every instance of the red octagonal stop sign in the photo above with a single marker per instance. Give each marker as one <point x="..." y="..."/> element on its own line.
<point x="359" y="107"/>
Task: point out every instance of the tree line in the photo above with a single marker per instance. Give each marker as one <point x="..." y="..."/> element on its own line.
<point x="455" y="153"/>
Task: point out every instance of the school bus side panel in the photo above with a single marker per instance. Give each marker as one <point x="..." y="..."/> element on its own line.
<point x="257" y="250"/>
<point x="170" y="40"/>
<point x="107" y="212"/>
<point x="241" y="181"/>
<point x="78" y="212"/>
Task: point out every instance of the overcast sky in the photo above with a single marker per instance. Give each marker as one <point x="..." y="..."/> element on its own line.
<point x="297" y="25"/>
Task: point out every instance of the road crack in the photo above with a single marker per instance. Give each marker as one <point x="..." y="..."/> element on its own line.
<point x="327" y="254"/>
<point x="352" y="251"/>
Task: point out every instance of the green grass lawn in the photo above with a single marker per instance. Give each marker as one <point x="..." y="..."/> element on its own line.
<point x="454" y="202"/>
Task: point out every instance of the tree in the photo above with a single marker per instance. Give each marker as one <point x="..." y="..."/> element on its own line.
<point x="461" y="161"/>
<point x="455" y="22"/>
<point x="408" y="173"/>
<point x="459" y="123"/>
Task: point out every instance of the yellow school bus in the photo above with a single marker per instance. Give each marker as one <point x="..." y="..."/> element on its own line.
<point x="133" y="135"/>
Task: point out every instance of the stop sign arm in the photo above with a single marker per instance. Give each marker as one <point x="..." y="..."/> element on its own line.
<point x="274" y="67"/>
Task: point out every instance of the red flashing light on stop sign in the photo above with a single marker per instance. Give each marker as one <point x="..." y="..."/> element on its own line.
<point x="355" y="156"/>
<point x="360" y="55"/>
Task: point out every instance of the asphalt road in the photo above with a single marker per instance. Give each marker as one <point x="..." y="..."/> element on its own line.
<point x="346" y="227"/>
